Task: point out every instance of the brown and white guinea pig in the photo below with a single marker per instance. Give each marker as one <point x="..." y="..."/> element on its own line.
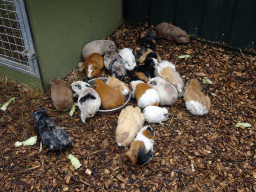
<point x="93" y="65"/>
<point x="167" y="92"/>
<point x="142" y="53"/>
<point x="144" y="94"/>
<point x="116" y="83"/>
<point x="172" y="33"/>
<point x="110" y="97"/>
<point x="167" y="71"/>
<point x="196" y="101"/>
<point x="61" y="95"/>
<point x="114" y="63"/>
<point x="154" y="114"/>
<point x="98" y="46"/>
<point x="148" y="39"/>
<point x="129" y="123"/>
<point x="88" y="101"/>
<point x="141" y="148"/>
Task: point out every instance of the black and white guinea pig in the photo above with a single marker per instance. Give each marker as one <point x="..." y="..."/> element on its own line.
<point x="52" y="135"/>
<point x="88" y="101"/>
<point x="141" y="148"/>
<point x="114" y="63"/>
<point x="128" y="58"/>
<point x="148" y="39"/>
<point x="142" y="53"/>
<point x="154" y="114"/>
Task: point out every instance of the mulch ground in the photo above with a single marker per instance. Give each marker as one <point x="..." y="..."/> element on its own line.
<point x="191" y="153"/>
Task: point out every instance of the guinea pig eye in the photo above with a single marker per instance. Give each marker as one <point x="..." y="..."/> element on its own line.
<point x="78" y="86"/>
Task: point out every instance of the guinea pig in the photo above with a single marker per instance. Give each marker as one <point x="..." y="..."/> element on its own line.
<point x="141" y="148"/>
<point x="52" y="135"/>
<point x="114" y="63"/>
<point x="154" y="114"/>
<point x="93" y="65"/>
<point x="110" y="97"/>
<point x="167" y="92"/>
<point x="116" y="83"/>
<point x="172" y="33"/>
<point x="61" y="95"/>
<point x="142" y="53"/>
<point x="88" y="99"/>
<point x="98" y="46"/>
<point x="144" y="71"/>
<point x="166" y="70"/>
<point x="128" y="58"/>
<point x="148" y="39"/>
<point x="196" y="101"/>
<point x="144" y="94"/>
<point x="129" y="123"/>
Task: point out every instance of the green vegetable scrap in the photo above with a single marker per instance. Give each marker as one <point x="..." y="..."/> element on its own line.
<point x="75" y="162"/>
<point x="243" y="124"/>
<point x="30" y="141"/>
<point x="4" y="107"/>
<point x="73" y="109"/>
<point x="206" y="81"/>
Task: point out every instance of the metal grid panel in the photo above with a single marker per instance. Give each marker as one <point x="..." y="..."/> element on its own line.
<point x="16" y="46"/>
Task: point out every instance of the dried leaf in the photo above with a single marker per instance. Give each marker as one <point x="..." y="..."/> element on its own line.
<point x="4" y="107"/>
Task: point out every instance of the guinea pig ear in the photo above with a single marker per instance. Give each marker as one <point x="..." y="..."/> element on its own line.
<point x="153" y="83"/>
<point x="84" y="80"/>
<point x="118" y="86"/>
<point x="111" y="47"/>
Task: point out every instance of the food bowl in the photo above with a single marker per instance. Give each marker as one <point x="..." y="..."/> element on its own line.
<point x="126" y="97"/>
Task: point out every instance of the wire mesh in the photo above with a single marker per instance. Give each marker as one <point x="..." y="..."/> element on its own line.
<point x="11" y="41"/>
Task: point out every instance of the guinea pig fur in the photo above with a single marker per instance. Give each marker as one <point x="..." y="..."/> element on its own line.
<point x="167" y="92"/>
<point x="88" y="99"/>
<point x="98" y="46"/>
<point x="114" y="63"/>
<point x="172" y="33"/>
<point x="129" y="123"/>
<point x="144" y="94"/>
<point x="93" y="65"/>
<point x="166" y="70"/>
<point x="128" y="58"/>
<point x="142" y="53"/>
<point x="144" y="71"/>
<point x="52" y="135"/>
<point x="196" y="101"/>
<point x="141" y="148"/>
<point x="110" y="97"/>
<point x="148" y="39"/>
<point x="116" y="83"/>
<point x="61" y="95"/>
<point x="154" y="114"/>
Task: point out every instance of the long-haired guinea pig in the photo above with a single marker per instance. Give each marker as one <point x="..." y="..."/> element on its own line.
<point x="167" y="92"/>
<point x="148" y="39"/>
<point x="52" y="135"/>
<point x="93" y="65"/>
<point x="172" y="33"/>
<point x="61" y="95"/>
<point x="144" y="71"/>
<point x="166" y="70"/>
<point x="114" y="63"/>
<point x="98" y="46"/>
<point x="128" y="58"/>
<point x="141" y="148"/>
<point x="88" y="101"/>
<point x="196" y="101"/>
<point x="129" y="123"/>
<point x="110" y="97"/>
<point x="116" y="83"/>
<point x="142" y="53"/>
<point x="154" y="114"/>
<point x="144" y="94"/>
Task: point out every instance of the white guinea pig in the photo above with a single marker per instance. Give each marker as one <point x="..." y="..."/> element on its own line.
<point x="167" y="92"/>
<point x="154" y="114"/>
<point x="128" y="58"/>
<point x="88" y="101"/>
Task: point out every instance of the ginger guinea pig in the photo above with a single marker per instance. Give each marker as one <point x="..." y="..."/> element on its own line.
<point x="129" y="123"/>
<point x="116" y="83"/>
<point x="144" y="94"/>
<point x="196" y="101"/>
<point x="110" y="97"/>
<point x="98" y="46"/>
<point x="93" y="65"/>
<point x="166" y="70"/>
<point x="61" y="95"/>
<point x="167" y="92"/>
<point x="141" y="148"/>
